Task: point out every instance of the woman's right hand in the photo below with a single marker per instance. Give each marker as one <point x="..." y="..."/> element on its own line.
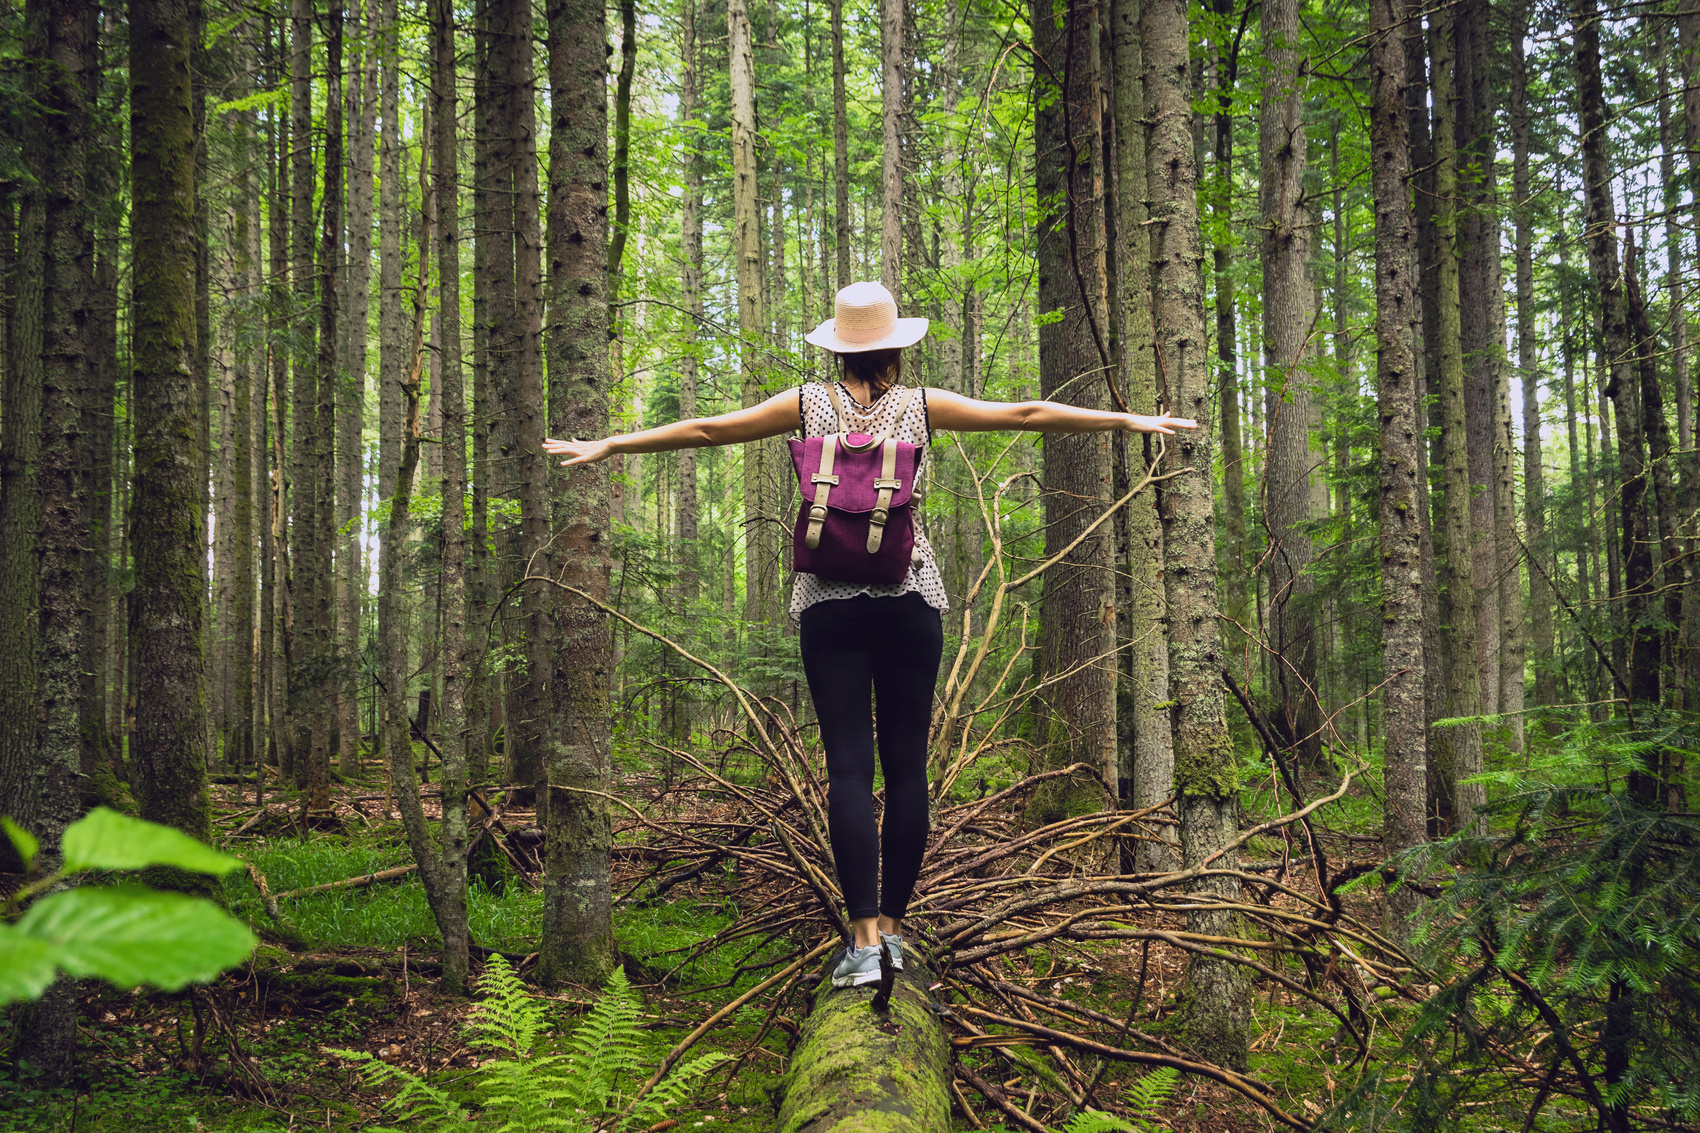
<point x="580" y="452"/>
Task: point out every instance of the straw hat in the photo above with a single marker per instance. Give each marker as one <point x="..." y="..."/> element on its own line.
<point x="864" y="317"/>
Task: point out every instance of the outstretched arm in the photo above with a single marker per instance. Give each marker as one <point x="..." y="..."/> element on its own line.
<point x="952" y="411"/>
<point x="773" y="417"/>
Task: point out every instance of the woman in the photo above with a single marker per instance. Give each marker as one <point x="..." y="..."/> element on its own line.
<point x="861" y="638"/>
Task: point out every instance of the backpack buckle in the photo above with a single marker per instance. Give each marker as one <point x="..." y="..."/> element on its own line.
<point x="817" y="512"/>
<point x="879" y="517"/>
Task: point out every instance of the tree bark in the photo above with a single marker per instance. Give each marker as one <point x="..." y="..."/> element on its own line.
<point x="840" y="150"/>
<point x="578" y="934"/>
<point x="1234" y="591"/>
<point x="1290" y="475"/>
<point x="1534" y="483"/>
<point x="303" y="526"/>
<point x="1150" y="773"/>
<point x="761" y="574"/>
<point x="1077" y="615"/>
<point x="168" y="746"/>
<point x="239" y="744"/>
<point x="1216" y="1011"/>
<point x="891" y="173"/>
<point x="1402" y="460"/>
<point x="445" y="879"/>
<point x="1461" y="757"/>
<point x="351" y="385"/>
<point x="691" y="234"/>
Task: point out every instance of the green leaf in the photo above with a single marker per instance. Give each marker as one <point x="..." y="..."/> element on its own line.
<point x="256" y="101"/>
<point x="130" y="934"/>
<point x="26" y="965"/>
<point x="105" y="839"/>
<point x="22" y="841"/>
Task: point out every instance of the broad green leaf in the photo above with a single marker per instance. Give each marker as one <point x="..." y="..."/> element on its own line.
<point x="26" y="965"/>
<point x="22" y="841"/>
<point x="105" y="839"/>
<point x="130" y="934"/>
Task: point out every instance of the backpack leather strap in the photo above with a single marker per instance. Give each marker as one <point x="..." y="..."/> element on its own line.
<point x="823" y="482"/>
<point x="887" y="483"/>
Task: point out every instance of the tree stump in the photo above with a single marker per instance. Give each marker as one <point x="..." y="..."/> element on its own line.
<point x="854" y="1070"/>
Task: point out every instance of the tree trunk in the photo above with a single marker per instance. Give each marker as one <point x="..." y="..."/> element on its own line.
<point x="1477" y="224"/>
<point x="1688" y="624"/>
<point x="691" y="234"/>
<point x="168" y="747"/>
<point x="1621" y="386"/>
<point x="1150" y="775"/>
<point x="1289" y="479"/>
<point x="1078" y="612"/>
<point x="303" y="526"/>
<point x="100" y="767"/>
<point x="849" y="1075"/>
<point x="1217" y="1006"/>
<point x="578" y="934"/>
<point x="840" y="149"/>
<point x="891" y="114"/>
<point x="1534" y="486"/>
<point x="351" y="388"/>
<point x="1402" y="460"/>
<point x="239" y="748"/>
<point x="280" y="736"/>
<point x="1227" y="354"/>
<point x="1461" y="757"/>
<point x="761" y="576"/>
<point x="445" y="877"/>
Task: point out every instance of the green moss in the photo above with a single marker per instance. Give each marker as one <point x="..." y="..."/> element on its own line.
<point x="856" y="1072"/>
<point x="1206" y="766"/>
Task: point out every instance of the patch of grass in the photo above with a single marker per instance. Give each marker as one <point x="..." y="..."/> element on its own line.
<point x="386" y="915"/>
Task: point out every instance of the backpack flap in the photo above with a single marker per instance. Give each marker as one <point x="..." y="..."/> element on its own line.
<point x="854" y="489"/>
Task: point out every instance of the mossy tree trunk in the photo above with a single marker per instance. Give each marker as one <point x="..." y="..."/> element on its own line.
<point x="1401" y="463"/>
<point x="1460" y="755"/>
<point x="856" y="1071"/>
<point x="1147" y="769"/>
<point x="1217" y="1013"/>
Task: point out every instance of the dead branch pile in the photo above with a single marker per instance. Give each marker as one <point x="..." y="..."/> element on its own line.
<point x="993" y="897"/>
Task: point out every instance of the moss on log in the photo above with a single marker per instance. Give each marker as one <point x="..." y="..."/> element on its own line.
<point x="856" y="1071"/>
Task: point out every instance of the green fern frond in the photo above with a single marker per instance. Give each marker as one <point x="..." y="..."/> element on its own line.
<point x="422" y="1102"/>
<point x="1153" y="1089"/>
<point x="674" y="1090"/>
<point x="509" y="1018"/>
<point x="1097" y="1121"/>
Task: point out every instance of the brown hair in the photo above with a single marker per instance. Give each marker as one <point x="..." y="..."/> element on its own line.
<point x="878" y="369"/>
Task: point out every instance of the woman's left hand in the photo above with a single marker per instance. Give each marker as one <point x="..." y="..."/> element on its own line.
<point x="1166" y="424"/>
<point x="579" y="452"/>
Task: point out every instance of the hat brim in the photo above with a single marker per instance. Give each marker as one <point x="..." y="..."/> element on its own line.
<point x="907" y="332"/>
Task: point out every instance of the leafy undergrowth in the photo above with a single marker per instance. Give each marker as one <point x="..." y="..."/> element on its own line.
<point x="253" y="1051"/>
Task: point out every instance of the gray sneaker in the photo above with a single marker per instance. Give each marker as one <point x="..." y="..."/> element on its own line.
<point x="856" y="966"/>
<point x="895" y="944"/>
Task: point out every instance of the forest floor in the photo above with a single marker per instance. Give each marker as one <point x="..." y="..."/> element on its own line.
<point x="359" y="971"/>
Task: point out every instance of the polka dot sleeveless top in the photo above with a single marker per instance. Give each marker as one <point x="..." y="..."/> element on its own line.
<point x="819" y="420"/>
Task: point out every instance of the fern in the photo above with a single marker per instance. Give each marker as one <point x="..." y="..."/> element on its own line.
<point x="1146" y="1094"/>
<point x="593" y="1079"/>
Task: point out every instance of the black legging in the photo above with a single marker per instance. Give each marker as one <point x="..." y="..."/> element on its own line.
<point x="891" y="648"/>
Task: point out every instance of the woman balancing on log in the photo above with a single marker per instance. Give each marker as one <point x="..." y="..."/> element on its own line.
<point x="868" y="596"/>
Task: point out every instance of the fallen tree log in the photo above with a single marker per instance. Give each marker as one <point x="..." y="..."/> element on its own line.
<point x="859" y="1070"/>
<point x="352" y="882"/>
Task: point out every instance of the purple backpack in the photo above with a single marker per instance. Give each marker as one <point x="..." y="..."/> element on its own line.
<point x="856" y="523"/>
